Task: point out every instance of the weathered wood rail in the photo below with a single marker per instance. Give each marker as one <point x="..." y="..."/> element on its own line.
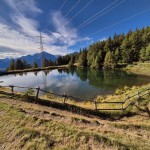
<point x="128" y="101"/>
<point x="38" y="89"/>
<point x="123" y="105"/>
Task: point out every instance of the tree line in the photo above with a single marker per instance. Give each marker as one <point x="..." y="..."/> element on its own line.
<point x="19" y="64"/>
<point x="108" y="54"/>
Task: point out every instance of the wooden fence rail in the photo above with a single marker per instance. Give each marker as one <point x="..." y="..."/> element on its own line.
<point x="138" y="95"/>
<point x="121" y="104"/>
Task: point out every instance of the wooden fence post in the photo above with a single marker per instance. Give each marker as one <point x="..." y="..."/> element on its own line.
<point x="149" y="91"/>
<point x="138" y="96"/>
<point x="95" y="103"/>
<point x="64" y="98"/>
<point x="37" y="94"/>
<point x="12" y="88"/>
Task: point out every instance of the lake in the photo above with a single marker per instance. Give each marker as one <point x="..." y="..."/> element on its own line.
<point x="84" y="83"/>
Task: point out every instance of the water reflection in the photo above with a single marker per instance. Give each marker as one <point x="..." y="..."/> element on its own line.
<point x="86" y="83"/>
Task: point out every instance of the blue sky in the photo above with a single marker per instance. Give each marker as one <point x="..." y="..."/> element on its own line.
<point x="66" y="25"/>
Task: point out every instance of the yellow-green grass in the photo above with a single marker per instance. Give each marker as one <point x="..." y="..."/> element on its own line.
<point x="22" y="130"/>
<point x="119" y="96"/>
<point x="19" y="131"/>
<point x="139" y="68"/>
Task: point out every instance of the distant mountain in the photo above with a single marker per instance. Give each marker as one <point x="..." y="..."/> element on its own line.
<point x="4" y="63"/>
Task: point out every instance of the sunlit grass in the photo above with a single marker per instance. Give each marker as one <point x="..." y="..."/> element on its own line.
<point x="120" y="95"/>
<point x="139" y="68"/>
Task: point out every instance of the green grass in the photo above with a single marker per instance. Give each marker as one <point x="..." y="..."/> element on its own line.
<point x="27" y="133"/>
<point x="139" y="68"/>
<point x="19" y="130"/>
<point x="89" y="107"/>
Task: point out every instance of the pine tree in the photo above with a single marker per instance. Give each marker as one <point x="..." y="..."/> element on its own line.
<point x="126" y="51"/>
<point x="143" y="54"/>
<point x="45" y="63"/>
<point x="83" y="59"/>
<point x="51" y="63"/>
<point x="108" y="45"/>
<point x="109" y="62"/>
<point x="148" y="52"/>
<point x="97" y="63"/>
<point x="72" y="60"/>
<point x="117" y="55"/>
<point x="12" y="65"/>
<point x="19" y="64"/>
<point x="35" y="65"/>
<point x="60" y="60"/>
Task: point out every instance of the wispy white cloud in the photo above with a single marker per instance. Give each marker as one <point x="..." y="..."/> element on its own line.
<point x="23" y="6"/>
<point x="21" y="40"/>
<point x="67" y="34"/>
<point x="27" y="25"/>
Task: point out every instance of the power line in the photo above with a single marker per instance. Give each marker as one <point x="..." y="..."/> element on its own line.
<point x="97" y="14"/>
<point x="121" y="21"/>
<point x="78" y="12"/>
<point x="72" y="8"/>
<point x="100" y="15"/>
<point x="55" y="14"/>
<point x="60" y="8"/>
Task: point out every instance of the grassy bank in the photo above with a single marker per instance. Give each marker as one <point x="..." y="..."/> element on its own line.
<point x="32" y="70"/>
<point x="30" y="126"/>
<point x="139" y="68"/>
<point x="88" y="107"/>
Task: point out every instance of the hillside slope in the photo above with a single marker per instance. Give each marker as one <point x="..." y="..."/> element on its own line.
<point x="30" y="126"/>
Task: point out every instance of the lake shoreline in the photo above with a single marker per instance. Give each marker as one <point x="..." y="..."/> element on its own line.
<point x="138" y="68"/>
<point x="32" y="70"/>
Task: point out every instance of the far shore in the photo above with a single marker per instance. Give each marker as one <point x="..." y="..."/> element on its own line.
<point x="32" y="70"/>
<point x="135" y="68"/>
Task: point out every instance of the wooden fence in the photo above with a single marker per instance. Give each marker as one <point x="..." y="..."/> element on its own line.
<point x="123" y="105"/>
<point x="38" y="90"/>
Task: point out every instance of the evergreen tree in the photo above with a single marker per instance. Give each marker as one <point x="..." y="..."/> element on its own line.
<point x="108" y="45"/>
<point x="148" y="52"/>
<point x="12" y="65"/>
<point x="143" y="54"/>
<point x="35" y="65"/>
<point x="83" y="58"/>
<point x="126" y="51"/>
<point x="117" y="55"/>
<point x="97" y="63"/>
<point x="51" y="63"/>
<point x="72" y="60"/>
<point x="109" y="62"/>
<point x="19" y="64"/>
<point x="60" y="60"/>
<point x="136" y="45"/>
<point x="45" y="63"/>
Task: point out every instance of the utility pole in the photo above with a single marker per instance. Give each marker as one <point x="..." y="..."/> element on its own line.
<point x="41" y="47"/>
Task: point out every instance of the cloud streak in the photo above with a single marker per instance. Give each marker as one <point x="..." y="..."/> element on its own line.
<point x="22" y="37"/>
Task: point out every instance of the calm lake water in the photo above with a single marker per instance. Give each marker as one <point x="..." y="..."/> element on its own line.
<point x="84" y="83"/>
